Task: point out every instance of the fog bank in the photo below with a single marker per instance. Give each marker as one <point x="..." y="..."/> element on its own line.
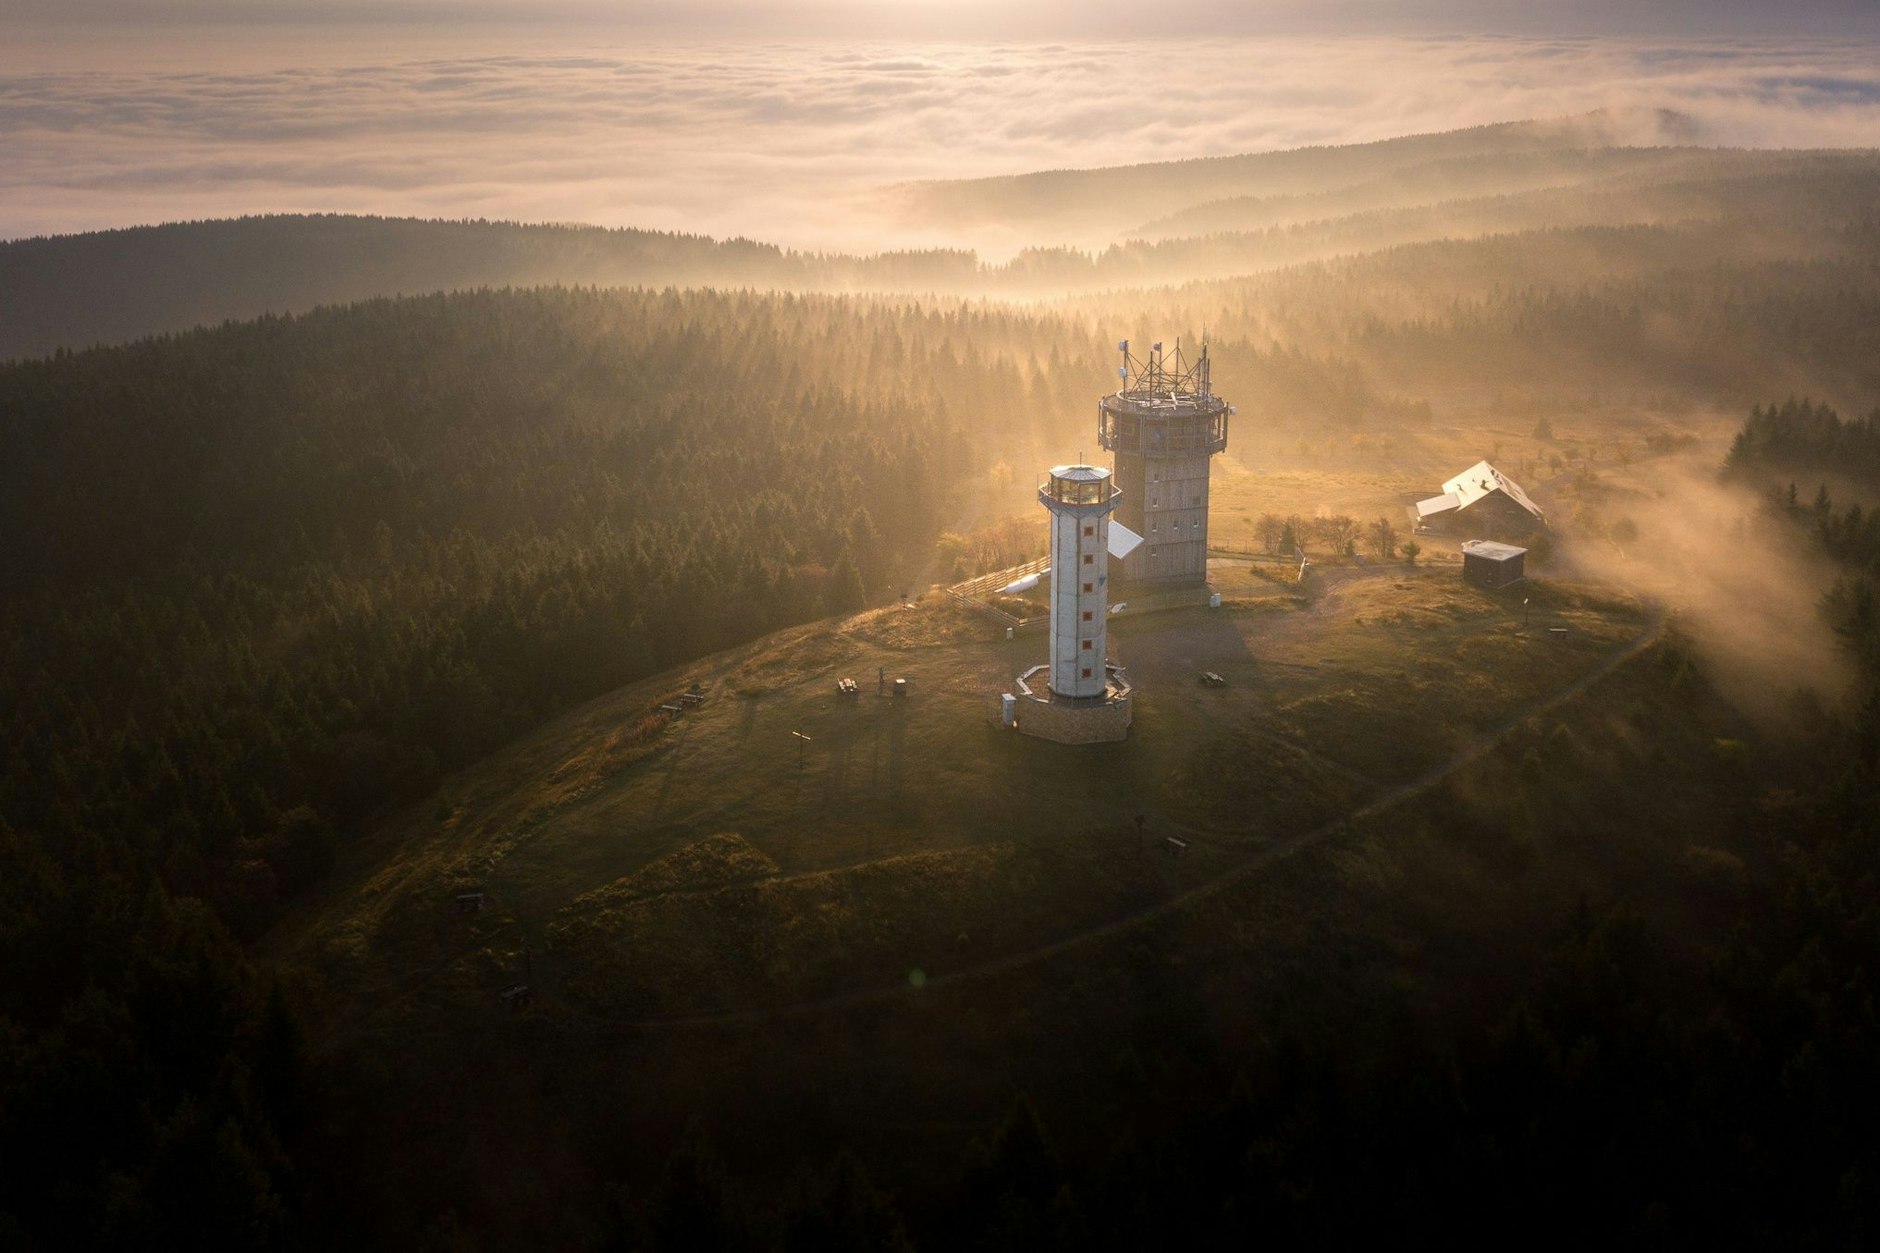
<point x="788" y="142"/>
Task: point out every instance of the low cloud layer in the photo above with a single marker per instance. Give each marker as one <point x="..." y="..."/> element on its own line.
<point x="789" y="142"/>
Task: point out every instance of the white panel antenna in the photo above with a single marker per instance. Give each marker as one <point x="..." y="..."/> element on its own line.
<point x="1123" y="541"/>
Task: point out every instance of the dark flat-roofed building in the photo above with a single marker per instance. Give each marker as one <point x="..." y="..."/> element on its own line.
<point x="1488" y="564"/>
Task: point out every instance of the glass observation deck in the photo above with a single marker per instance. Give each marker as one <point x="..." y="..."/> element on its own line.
<point x="1078" y="485"/>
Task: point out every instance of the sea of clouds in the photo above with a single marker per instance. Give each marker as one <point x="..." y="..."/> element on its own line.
<point x="792" y="141"/>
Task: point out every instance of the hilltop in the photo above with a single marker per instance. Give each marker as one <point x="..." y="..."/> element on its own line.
<point x="930" y="820"/>
<point x="686" y="891"/>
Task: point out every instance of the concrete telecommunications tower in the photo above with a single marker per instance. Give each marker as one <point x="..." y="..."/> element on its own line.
<point x="1163" y="426"/>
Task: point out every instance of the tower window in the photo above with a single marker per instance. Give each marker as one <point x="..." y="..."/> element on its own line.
<point x="1090" y="559"/>
<point x="1090" y="530"/>
<point x="1086" y="672"/>
<point x="1087" y="615"/>
<point x="1086" y="645"/>
<point x="1090" y="587"/>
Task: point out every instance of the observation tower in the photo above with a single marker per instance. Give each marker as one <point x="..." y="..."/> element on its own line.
<point x="1079" y="499"/>
<point x="1162" y="428"/>
<point x="1083" y="698"/>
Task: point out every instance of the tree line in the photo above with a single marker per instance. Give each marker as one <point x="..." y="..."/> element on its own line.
<point x="268" y="579"/>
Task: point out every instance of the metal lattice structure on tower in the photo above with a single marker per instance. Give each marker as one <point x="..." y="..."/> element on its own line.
<point x="1162" y="428"/>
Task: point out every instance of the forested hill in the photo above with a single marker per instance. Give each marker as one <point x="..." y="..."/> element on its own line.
<point x="266" y="580"/>
<point x="1718" y="208"/>
<point x="310" y="562"/>
<point x="73" y="291"/>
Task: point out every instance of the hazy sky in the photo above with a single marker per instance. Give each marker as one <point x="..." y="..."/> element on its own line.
<point x="701" y="118"/>
<point x="1053" y="19"/>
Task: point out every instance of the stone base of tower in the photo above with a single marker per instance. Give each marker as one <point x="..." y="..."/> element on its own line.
<point x="1086" y="720"/>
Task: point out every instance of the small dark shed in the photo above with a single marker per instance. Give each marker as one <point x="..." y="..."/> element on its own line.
<point x="1486" y="563"/>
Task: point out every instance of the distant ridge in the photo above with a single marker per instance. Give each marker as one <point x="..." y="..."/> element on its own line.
<point x="1136" y="228"/>
<point x="1115" y="198"/>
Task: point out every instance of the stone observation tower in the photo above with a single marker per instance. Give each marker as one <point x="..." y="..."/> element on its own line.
<point x="1163" y="427"/>
<point x="1078" y="698"/>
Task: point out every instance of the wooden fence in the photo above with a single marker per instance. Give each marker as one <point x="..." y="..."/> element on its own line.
<point x="972" y="593"/>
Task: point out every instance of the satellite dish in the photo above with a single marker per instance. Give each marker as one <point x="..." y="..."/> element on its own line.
<point x="1122" y="345"/>
<point x="1122" y="372"/>
<point x="1157" y="345"/>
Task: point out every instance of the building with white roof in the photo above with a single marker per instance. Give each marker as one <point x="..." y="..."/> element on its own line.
<point x="1480" y="499"/>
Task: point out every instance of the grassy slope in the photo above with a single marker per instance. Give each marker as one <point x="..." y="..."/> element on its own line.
<point x="912" y="822"/>
<point x="678" y="891"/>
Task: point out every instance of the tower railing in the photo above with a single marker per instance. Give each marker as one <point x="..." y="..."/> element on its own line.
<point x="1204" y="431"/>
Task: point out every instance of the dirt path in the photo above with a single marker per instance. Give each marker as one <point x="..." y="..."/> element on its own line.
<point x="1254" y="862"/>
